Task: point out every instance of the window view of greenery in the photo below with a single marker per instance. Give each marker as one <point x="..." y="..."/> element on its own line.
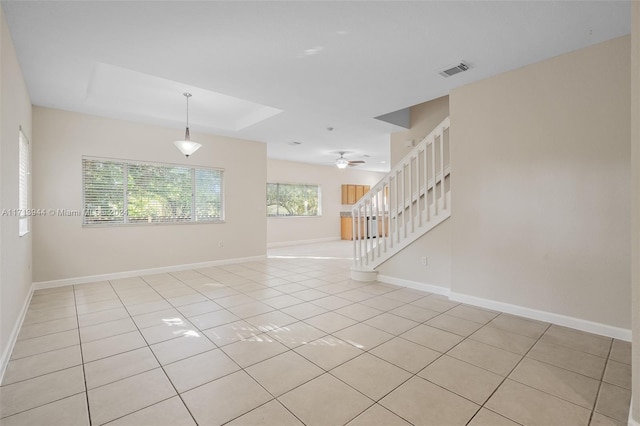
<point x="293" y="200"/>
<point x="120" y="192"/>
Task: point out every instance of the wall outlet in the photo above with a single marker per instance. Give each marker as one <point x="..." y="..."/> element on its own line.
<point x="423" y="260"/>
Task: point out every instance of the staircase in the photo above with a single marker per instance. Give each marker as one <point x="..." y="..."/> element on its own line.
<point x="413" y="198"/>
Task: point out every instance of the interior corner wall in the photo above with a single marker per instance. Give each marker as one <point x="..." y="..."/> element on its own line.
<point x="63" y="248"/>
<point x="424" y="118"/>
<point x="283" y="230"/>
<point x="15" y="263"/>
<point x="541" y="186"/>
<point x="635" y="211"/>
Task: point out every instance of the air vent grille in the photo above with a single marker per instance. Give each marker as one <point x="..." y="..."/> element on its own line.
<point x="454" y="70"/>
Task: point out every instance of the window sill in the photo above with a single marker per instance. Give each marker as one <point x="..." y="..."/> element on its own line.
<point x="292" y="217"/>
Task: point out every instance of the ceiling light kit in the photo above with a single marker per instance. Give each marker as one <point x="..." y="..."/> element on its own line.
<point x="187" y="146"/>
<point x="342" y="162"/>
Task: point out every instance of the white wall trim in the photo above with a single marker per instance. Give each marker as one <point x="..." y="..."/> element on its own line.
<point x="631" y="421"/>
<point x="4" y="360"/>
<point x="301" y="242"/>
<point x="128" y="274"/>
<point x="431" y="288"/>
<point x="576" y="323"/>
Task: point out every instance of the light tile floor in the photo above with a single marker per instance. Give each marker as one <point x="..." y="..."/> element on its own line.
<point x="291" y="341"/>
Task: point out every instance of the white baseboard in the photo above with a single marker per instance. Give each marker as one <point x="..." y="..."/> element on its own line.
<point x="301" y="242"/>
<point x="128" y="274"/>
<point x="6" y="354"/>
<point x="576" y="323"/>
<point x="431" y="288"/>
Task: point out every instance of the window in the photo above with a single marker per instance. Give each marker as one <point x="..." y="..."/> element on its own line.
<point x="130" y="192"/>
<point x="23" y="183"/>
<point x="293" y="200"/>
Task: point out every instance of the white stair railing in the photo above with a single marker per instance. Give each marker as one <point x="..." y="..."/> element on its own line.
<point x="410" y="200"/>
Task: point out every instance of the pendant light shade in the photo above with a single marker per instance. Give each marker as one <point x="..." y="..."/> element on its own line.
<point x="187" y="146"/>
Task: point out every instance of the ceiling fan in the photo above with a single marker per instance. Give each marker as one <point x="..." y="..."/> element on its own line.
<point x="342" y="162"/>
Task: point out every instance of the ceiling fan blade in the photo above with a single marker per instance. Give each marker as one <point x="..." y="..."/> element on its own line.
<point x="357" y="161"/>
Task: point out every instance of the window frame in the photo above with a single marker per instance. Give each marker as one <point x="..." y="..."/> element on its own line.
<point x="280" y="216"/>
<point x="125" y="193"/>
<point x="24" y="183"/>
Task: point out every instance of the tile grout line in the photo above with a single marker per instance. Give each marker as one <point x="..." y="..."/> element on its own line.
<point x="399" y="336"/>
<point x="506" y="377"/>
<point x="604" y="370"/>
<point x="44" y="352"/>
<point x="293" y="350"/>
<point x="51" y="372"/>
<point x="412" y="375"/>
<point x="368" y="351"/>
<point x="84" y="374"/>
<point x="220" y="348"/>
<point x="243" y="369"/>
<point x="375" y="402"/>
<point x="157" y="360"/>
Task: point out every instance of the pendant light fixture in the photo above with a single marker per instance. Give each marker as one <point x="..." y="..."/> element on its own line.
<point x="187" y="146"/>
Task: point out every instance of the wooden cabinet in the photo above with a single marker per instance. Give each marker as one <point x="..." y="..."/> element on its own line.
<point x="352" y="193"/>
<point x="346" y="228"/>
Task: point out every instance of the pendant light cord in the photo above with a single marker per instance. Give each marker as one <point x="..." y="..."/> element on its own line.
<point x="186" y="134"/>
<point x="187" y="96"/>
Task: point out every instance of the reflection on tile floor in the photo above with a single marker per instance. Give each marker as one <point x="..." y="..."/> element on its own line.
<point x="292" y="341"/>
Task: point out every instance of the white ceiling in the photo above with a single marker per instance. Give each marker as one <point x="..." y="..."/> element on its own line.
<point x="323" y="64"/>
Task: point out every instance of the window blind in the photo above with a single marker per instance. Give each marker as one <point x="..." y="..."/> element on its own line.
<point x="208" y="193"/>
<point x="104" y="191"/>
<point x="129" y="192"/>
<point x="23" y="183"/>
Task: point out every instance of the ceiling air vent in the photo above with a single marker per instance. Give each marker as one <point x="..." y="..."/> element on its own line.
<point x="454" y="70"/>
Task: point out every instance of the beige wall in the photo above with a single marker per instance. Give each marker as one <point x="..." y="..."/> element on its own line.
<point x="15" y="266"/>
<point x="436" y="244"/>
<point x="541" y="186"/>
<point x="64" y="249"/>
<point x="289" y="229"/>
<point x="635" y="234"/>
<point x="424" y="118"/>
